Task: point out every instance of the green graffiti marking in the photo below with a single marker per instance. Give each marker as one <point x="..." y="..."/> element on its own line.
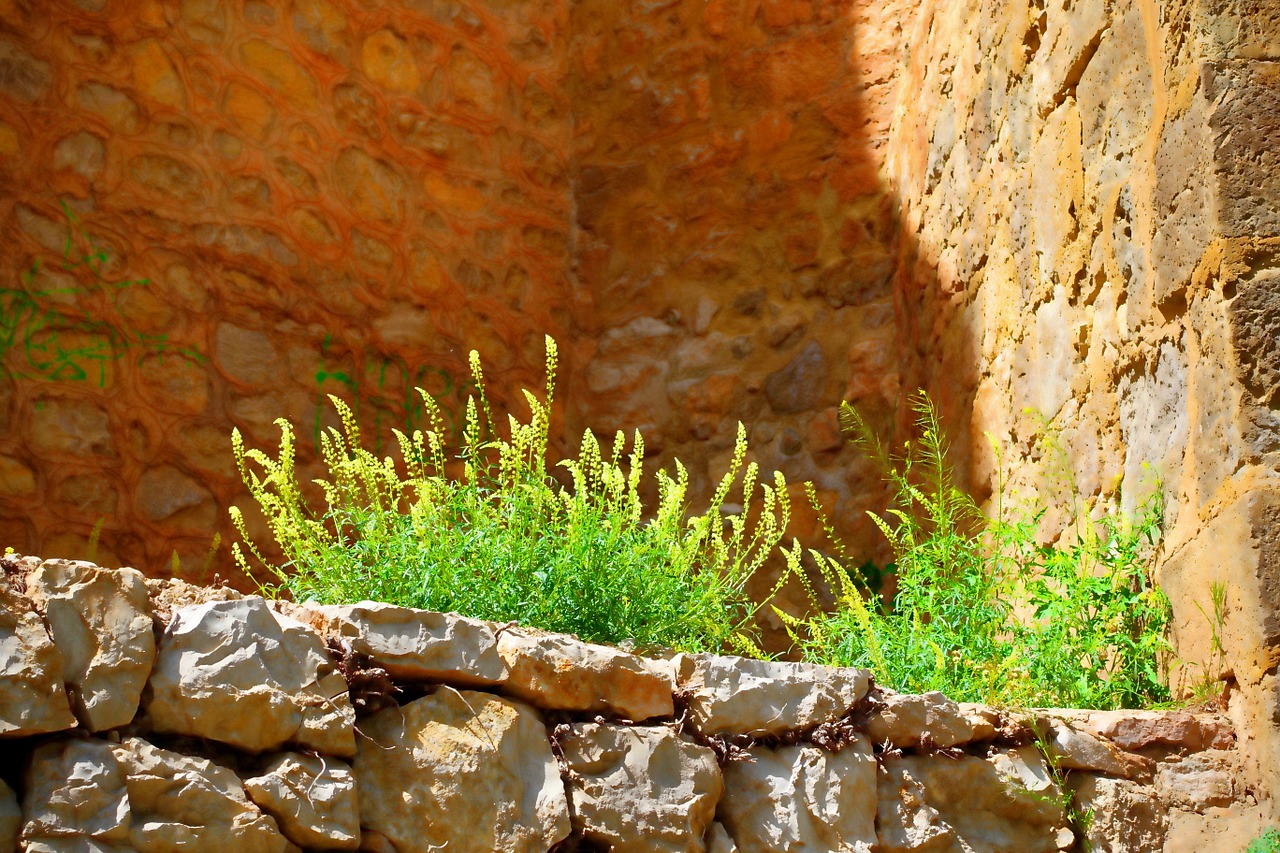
<point x="368" y="387"/>
<point x="58" y="342"/>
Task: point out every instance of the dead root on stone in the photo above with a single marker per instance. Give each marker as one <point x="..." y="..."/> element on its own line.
<point x="13" y="574"/>
<point x="831" y="736"/>
<point x="369" y="686"/>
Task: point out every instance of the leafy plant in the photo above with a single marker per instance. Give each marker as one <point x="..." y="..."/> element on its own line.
<point x="982" y="612"/>
<point x="1267" y="842"/>
<point x="502" y="539"/>
<point x="1209" y="685"/>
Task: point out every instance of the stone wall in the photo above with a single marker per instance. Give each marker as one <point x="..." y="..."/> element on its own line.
<point x="1093" y="190"/>
<point x="150" y="715"/>
<point x="213" y="214"/>
<point x="734" y="233"/>
<point x="1043" y="212"/>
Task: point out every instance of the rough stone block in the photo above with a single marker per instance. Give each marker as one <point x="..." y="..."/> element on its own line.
<point x="100" y="621"/>
<point x="640" y="789"/>
<point x="313" y="799"/>
<point x="33" y="698"/>
<point x="800" y="798"/>
<point x="1007" y="804"/>
<point x="463" y="771"/>
<point x="1125" y="817"/>
<point x="413" y="645"/>
<point x="560" y="673"/>
<point x="910" y="720"/>
<point x="75" y="798"/>
<point x="235" y="672"/>
<point x="179" y="802"/>
<point x="730" y="695"/>
<point x="1073" y="749"/>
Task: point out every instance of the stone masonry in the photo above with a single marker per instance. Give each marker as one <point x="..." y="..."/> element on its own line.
<point x="1060" y="218"/>
<point x="272" y="726"/>
<point x="1092" y="242"/>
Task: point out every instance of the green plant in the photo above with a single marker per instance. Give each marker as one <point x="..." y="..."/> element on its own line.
<point x="982" y="612"/>
<point x="1209" y="685"/>
<point x="1060" y="793"/>
<point x="1267" y="842"/>
<point x="502" y="539"/>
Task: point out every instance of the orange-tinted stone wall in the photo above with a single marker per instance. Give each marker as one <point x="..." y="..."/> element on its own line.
<point x="211" y="213"/>
<point x="215" y="213"/>
<point x="734" y="233"/>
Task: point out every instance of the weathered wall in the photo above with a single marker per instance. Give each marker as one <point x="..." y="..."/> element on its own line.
<point x="324" y="199"/>
<point x="734" y="234"/>
<point x="1093" y="187"/>
<point x="206" y="719"/>
<point x="289" y="200"/>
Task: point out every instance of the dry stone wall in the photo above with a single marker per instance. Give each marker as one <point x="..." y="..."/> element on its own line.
<point x="1091" y="188"/>
<point x="241" y="723"/>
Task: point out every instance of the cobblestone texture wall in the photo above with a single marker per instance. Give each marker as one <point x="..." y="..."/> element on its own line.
<point x="212" y="214"/>
<point x="733" y="229"/>
<point x="238" y="208"/>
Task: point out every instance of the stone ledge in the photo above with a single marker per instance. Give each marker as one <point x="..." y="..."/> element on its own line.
<point x="245" y="735"/>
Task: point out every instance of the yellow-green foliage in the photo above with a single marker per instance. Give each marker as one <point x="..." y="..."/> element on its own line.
<point x="504" y="540"/>
<point x="984" y="613"/>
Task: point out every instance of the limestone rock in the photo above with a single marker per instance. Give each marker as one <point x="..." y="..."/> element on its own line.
<point x="234" y="672"/>
<point x="910" y="720"/>
<point x="799" y="386"/>
<point x="1126" y="817"/>
<point x="1199" y="781"/>
<point x="1134" y="730"/>
<point x="169" y="595"/>
<point x="313" y="800"/>
<point x="75" y="799"/>
<point x="1078" y="750"/>
<point x="561" y="673"/>
<point x="184" y="803"/>
<point x="33" y="699"/>
<point x="730" y="695"/>
<point x="801" y="798"/>
<point x="1008" y="804"/>
<point x="718" y="840"/>
<point x="641" y="789"/>
<point x="100" y="621"/>
<point x="1219" y="828"/>
<point x="985" y="720"/>
<point x="10" y="819"/>
<point x="413" y="645"/>
<point x="464" y="769"/>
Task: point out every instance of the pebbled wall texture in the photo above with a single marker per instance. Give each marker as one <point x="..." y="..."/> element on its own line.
<point x="1089" y="189"/>
<point x="237" y="208"/>
<point x="210" y="720"/>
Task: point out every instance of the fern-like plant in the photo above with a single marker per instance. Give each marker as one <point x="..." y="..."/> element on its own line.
<point x="984" y="613"/>
<point x="504" y="540"/>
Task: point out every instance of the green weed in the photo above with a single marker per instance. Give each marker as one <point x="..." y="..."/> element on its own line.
<point x="1267" y="842"/>
<point x="504" y="540"/>
<point x="982" y="612"/>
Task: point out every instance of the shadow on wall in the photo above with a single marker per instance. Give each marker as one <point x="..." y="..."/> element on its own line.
<point x="691" y="197"/>
<point x="740" y="247"/>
